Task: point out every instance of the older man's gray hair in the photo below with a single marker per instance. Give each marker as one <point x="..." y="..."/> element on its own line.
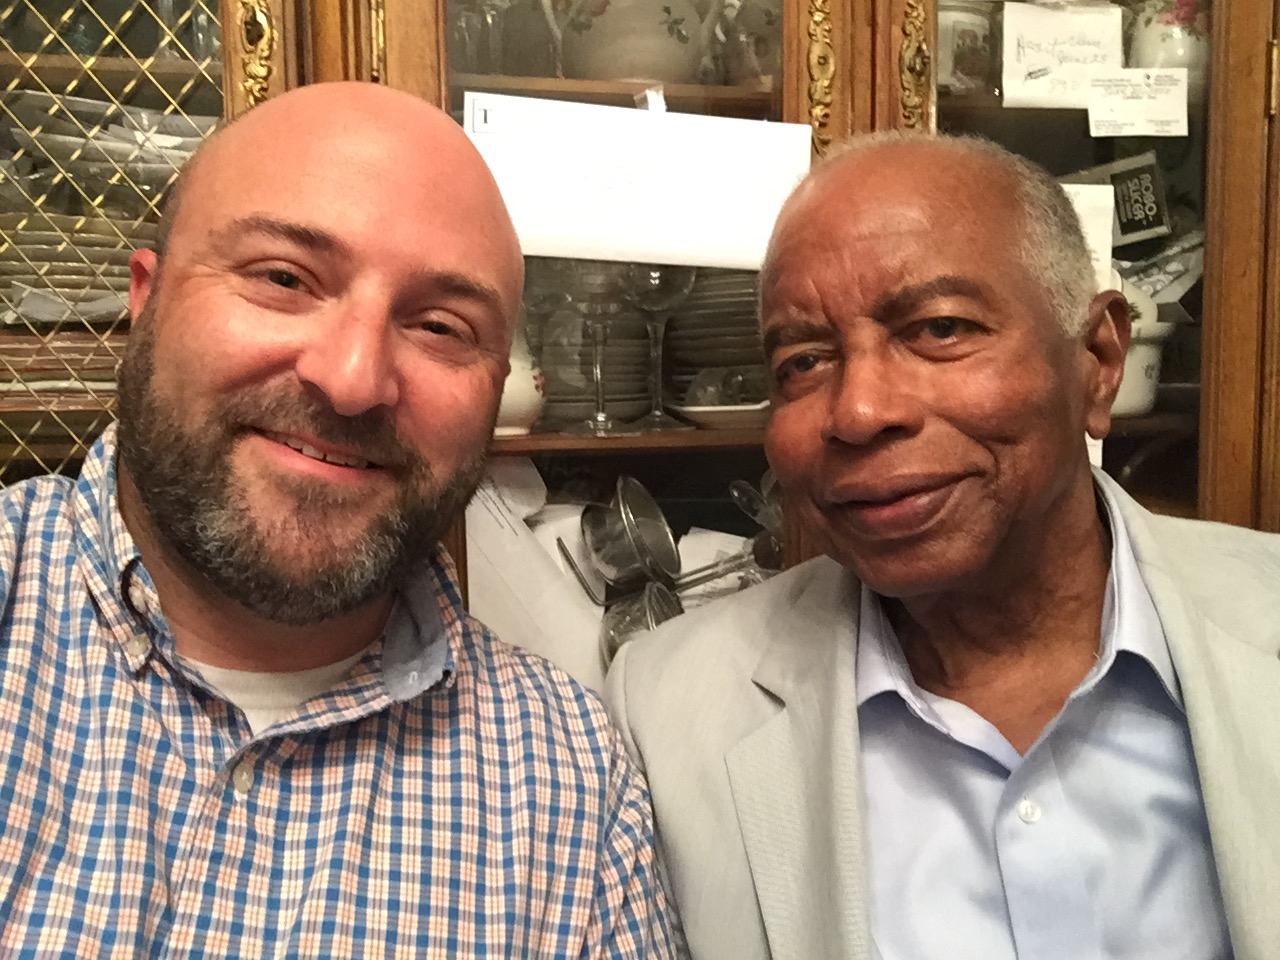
<point x="1053" y="244"/>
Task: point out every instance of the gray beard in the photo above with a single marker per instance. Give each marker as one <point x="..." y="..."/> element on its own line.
<point x="199" y="509"/>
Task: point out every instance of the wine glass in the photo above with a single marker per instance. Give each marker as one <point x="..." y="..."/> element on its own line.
<point x="596" y="289"/>
<point x="655" y="290"/>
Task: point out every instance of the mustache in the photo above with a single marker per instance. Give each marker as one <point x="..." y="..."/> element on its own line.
<point x="370" y="435"/>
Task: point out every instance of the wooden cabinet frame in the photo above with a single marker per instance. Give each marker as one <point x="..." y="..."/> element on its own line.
<point x="262" y="43"/>
<point x="855" y="65"/>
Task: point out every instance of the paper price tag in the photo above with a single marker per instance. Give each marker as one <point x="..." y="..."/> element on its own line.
<point x="1138" y="103"/>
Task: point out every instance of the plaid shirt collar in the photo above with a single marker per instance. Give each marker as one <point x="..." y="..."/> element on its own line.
<point x="415" y="653"/>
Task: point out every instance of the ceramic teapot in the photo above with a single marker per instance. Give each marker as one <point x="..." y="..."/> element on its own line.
<point x="523" y="393"/>
<point x="666" y="41"/>
<point x="1172" y="33"/>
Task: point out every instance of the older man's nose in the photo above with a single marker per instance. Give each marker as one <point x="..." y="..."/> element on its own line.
<point x="872" y="397"/>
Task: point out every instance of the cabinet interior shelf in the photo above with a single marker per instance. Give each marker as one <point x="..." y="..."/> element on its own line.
<point x="756" y="101"/>
<point x="95" y="75"/>
<point x="671" y="440"/>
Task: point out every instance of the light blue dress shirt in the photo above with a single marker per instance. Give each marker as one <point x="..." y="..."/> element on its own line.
<point x="1092" y="845"/>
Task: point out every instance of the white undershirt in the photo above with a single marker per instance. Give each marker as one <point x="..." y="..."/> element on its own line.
<point x="267" y="698"/>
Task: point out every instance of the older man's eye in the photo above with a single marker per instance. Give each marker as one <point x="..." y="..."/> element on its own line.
<point x="795" y="365"/>
<point x="943" y="328"/>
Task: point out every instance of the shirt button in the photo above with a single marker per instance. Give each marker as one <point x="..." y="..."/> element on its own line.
<point x="138" y="597"/>
<point x="1029" y="811"/>
<point x="242" y="778"/>
<point x="137" y="646"/>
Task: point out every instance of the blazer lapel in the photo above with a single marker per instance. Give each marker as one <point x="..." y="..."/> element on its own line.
<point x="795" y="783"/>
<point x="1232" y="694"/>
<point x="1225" y="642"/>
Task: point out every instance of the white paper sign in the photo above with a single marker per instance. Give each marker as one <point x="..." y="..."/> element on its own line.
<point x="1138" y="103"/>
<point x="614" y="183"/>
<point x="1095" y="205"/>
<point x="1050" y="53"/>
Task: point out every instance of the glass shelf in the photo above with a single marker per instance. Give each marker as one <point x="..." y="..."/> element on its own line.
<point x="752" y="101"/>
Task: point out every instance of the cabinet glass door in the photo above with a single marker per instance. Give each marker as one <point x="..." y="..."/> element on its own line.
<point x="1006" y="75"/>
<point x="716" y="56"/>
<point x="649" y="370"/>
<point x="100" y="104"/>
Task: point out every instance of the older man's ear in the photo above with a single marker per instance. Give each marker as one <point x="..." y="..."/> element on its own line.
<point x="1106" y="340"/>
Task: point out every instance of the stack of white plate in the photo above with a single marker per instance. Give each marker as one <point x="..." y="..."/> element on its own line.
<point x="714" y="328"/>
<point x="57" y="267"/>
<point x="103" y="147"/>
<point x="64" y="363"/>
<point x="566" y="362"/>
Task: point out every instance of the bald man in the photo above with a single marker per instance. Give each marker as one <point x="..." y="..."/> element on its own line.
<point x="242" y="710"/>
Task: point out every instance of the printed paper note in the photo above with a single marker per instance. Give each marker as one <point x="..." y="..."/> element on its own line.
<point x="1138" y="103"/>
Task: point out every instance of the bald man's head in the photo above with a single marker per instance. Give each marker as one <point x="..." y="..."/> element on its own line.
<point x="305" y="118"/>
<point x="308" y="396"/>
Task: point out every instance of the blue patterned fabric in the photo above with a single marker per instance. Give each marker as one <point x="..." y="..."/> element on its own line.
<point x="452" y="796"/>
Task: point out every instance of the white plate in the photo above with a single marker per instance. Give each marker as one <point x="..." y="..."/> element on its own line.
<point x="726" y="418"/>
<point x="700" y="358"/>
<point x="65" y="253"/>
<point x="69" y="268"/>
<point x="73" y="226"/>
<point x="83" y="108"/>
<point x="52" y="238"/>
<point x="96" y="150"/>
<point x="732" y="337"/>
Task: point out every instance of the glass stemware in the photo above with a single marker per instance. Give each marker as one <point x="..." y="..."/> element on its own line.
<point x="596" y="290"/>
<point x="656" y="289"/>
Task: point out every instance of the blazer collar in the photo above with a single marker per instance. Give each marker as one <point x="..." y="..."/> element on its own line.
<point x="794" y="778"/>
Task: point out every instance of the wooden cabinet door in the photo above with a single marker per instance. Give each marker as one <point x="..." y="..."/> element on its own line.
<point x="261" y="42"/>
<point x="1269" y="447"/>
<point x="83" y="88"/>
<point x="1201" y="449"/>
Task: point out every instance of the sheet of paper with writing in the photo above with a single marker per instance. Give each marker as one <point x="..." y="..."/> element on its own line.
<point x="1050" y="53"/>
<point x="1139" y="103"/>
<point x="614" y="183"/>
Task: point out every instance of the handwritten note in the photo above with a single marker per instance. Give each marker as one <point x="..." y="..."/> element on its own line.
<point x="1139" y="103"/>
<point x="613" y="183"/>
<point x="1051" y="53"/>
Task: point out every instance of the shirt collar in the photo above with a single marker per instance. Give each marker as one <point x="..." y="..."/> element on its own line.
<point x="1131" y="625"/>
<point x="416" y="648"/>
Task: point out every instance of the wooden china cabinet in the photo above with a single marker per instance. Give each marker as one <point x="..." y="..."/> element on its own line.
<point x="1209" y="447"/>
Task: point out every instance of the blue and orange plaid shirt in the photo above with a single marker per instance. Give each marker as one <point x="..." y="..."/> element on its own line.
<point x="452" y="796"/>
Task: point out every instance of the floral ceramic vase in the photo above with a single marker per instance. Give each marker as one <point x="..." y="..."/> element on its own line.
<point x="654" y="40"/>
<point x="1173" y="33"/>
<point x="523" y="393"/>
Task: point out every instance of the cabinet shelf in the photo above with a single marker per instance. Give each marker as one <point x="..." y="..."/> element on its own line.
<point x="674" y="440"/>
<point x="113" y="76"/>
<point x="756" y="101"/>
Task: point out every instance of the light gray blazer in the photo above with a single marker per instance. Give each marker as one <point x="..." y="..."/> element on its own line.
<point x="743" y="713"/>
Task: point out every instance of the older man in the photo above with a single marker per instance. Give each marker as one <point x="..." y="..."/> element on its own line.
<point x="242" y="711"/>
<point x="1011" y="713"/>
